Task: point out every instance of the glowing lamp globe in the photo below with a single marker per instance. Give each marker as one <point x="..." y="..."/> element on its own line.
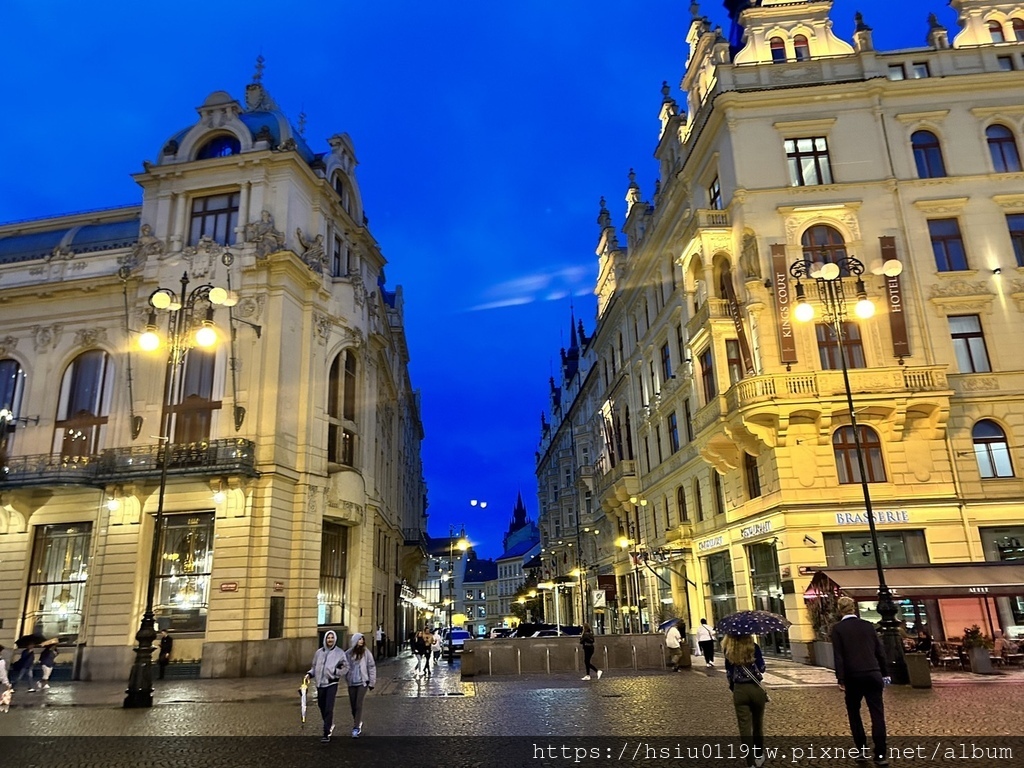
<point x="804" y="312"/>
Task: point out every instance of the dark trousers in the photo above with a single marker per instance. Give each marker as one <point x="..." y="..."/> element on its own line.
<point x="868" y="687"/>
<point x="163" y="662"/>
<point x="325" y="701"/>
<point x="588" y="654"/>
<point x="749" y="701"/>
<point x="707" y="647"/>
<point x="675" y="655"/>
<point x="356" y="694"/>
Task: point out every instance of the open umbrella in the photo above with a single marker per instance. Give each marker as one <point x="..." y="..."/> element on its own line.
<point x="752" y="623"/>
<point x="27" y="641"/>
<point x="665" y="625"/>
<point x="302" y="701"/>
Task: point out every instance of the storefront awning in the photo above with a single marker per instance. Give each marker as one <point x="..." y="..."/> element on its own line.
<point x="931" y="581"/>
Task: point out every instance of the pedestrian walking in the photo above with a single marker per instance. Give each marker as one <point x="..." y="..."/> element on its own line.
<point x="421" y="653"/>
<point x="706" y="642"/>
<point x="23" y="668"/>
<point x="674" y="643"/>
<point x="5" y="684"/>
<point x="744" y="668"/>
<point x="587" y="641"/>
<point x="435" y="645"/>
<point x="46" y="662"/>
<point x="330" y="664"/>
<point x="378" y="639"/>
<point x="860" y="671"/>
<point x="166" y="648"/>
<point x="361" y="677"/>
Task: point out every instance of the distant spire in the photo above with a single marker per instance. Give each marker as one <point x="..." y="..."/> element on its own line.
<point x="603" y="217"/>
<point x="302" y="123"/>
<point x="260" y="66"/>
<point x="632" y="192"/>
<point x="858" y="23"/>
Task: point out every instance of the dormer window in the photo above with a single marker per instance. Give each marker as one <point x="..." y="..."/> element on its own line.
<point x="996" y="30"/>
<point x="219" y="146"/>
<point x="778" y="48"/>
<point x="342" y="189"/>
<point x="801" y="48"/>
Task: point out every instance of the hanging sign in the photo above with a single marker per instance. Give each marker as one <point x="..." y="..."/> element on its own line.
<point x="783" y="305"/>
<point x="894" y="303"/>
<point x="600" y="599"/>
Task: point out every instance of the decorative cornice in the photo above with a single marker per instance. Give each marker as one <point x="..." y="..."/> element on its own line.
<point x="935" y="115"/>
<point x="954" y="205"/>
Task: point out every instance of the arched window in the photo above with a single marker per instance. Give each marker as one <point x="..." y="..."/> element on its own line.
<point x="1003" y="148"/>
<point x="219" y="146"/>
<point x="778" y="47"/>
<point x="823" y="243"/>
<point x="927" y="155"/>
<point x="341" y="409"/>
<point x="84" y="404"/>
<point x="996" y="30"/>
<point x="684" y="516"/>
<point x="1018" y="29"/>
<point x="991" y="449"/>
<point x="801" y="48"/>
<point x="192" y="411"/>
<point x="12" y="384"/>
<point x="716" y="488"/>
<point x="845" y="449"/>
<point x="341" y="187"/>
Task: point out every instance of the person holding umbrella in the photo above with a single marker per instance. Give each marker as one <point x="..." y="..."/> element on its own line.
<point x="46" y="661"/>
<point x="744" y="667"/>
<point x="23" y="667"/>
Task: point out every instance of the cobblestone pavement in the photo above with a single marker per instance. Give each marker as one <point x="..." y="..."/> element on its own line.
<point x="805" y="703"/>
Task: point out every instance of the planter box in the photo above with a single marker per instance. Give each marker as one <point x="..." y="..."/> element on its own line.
<point x="981" y="661"/>
<point x="823" y="654"/>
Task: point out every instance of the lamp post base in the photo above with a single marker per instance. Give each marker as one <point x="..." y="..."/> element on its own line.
<point x="139" y="694"/>
<point x="892" y="642"/>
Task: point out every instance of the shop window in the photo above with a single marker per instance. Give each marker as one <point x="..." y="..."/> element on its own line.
<point x="829" y="351"/>
<point x="215" y="217"/>
<point x="845" y="449"/>
<point x="333" y="569"/>
<point x="57" y="579"/>
<point x="856" y="550"/>
<point x="927" y="155"/>
<point x="84" y="402"/>
<point x="991" y="450"/>
<point x="183" y="572"/>
<point x="721" y="586"/>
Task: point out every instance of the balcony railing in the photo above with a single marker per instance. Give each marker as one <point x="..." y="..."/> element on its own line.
<point x="711" y="309"/>
<point x="118" y="465"/>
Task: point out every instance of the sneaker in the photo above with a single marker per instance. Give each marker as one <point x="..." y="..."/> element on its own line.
<point x="46" y="686"/>
<point x="881" y="762"/>
<point x="31" y="690"/>
<point x="330" y="732"/>
<point x="355" y="733"/>
<point x="709" y="665"/>
<point x="325" y="739"/>
<point x="599" y="673"/>
<point x="585" y="677"/>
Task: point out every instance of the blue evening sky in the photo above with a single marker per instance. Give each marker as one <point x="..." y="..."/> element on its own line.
<point x="486" y="134"/>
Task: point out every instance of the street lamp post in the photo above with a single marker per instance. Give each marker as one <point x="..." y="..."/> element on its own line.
<point x="828" y="277"/>
<point x="630" y="544"/>
<point x="462" y="545"/>
<point x="186" y="329"/>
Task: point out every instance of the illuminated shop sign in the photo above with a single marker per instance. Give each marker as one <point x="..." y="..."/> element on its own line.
<point x="861" y="518"/>
<point x="715" y="541"/>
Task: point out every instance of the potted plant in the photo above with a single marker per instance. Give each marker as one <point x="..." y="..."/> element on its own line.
<point x="977" y="646"/>
<point x="824" y="613"/>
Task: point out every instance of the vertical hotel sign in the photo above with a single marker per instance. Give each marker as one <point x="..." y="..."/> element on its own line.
<point x="783" y="305"/>
<point x="894" y="303"/>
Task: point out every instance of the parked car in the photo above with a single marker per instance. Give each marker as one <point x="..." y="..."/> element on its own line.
<point x="500" y="632"/>
<point x="546" y="633"/>
<point x="457" y="638"/>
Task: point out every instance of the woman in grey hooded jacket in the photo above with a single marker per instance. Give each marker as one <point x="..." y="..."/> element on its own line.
<point x="362" y="676"/>
<point x="330" y="664"/>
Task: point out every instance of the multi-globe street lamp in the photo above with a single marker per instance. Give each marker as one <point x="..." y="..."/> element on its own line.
<point x="630" y="545"/>
<point x="189" y="325"/>
<point x="828" y="277"/>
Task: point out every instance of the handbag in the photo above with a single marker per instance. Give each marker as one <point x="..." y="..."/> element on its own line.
<point x="757" y="679"/>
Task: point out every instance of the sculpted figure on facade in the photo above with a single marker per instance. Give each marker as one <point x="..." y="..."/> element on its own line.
<point x="45" y="337"/>
<point x="267" y="239"/>
<point x="147" y="245"/>
<point x="313" y="252"/>
<point x="750" y="259"/>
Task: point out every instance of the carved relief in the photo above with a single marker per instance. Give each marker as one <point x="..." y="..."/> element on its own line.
<point x="313" y="255"/>
<point x="201" y="257"/>
<point x="7" y="345"/>
<point x="267" y="239"/>
<point x="323" y="328"/>
<point x="46" y="337"/>
<point x="147" y="245"/>
<point x="353" y="337"/>
<point x="89" y="337"/>
<point x="60" y="253"/>
<point x="250" y="307"/>
<point x="960" y="288"/>
<point x="979" y="383"/>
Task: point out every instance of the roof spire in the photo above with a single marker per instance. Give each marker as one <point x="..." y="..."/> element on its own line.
<point x="302" y="122"/>
<point x="260" y="66"/>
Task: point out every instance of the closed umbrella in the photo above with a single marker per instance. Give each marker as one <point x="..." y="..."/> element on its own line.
<point x="302" y="701"/>
<point x="752" y="623"/>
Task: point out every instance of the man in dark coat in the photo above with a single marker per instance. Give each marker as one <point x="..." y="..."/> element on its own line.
<point x="861" y="667"/>
<point x="166" y="646"/>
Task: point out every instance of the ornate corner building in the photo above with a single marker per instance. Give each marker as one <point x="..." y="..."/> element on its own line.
<point x="284" y="464"/>
<point x="700" y="456"/>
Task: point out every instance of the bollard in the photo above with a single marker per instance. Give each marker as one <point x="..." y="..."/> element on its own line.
<point x="547" y="660"/>
<point x="490" y="666"/>
<point x="605" y="649"/>
<point x="633" y="647"/>
<point x="576" y="658"/>
<point x="519" y="661"/>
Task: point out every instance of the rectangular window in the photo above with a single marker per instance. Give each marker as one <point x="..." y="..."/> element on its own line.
<point x="715" y="195"/>
<point x="1005" y="63"/>
<point x="969" y="344"/>
<point x="721" y="586"/>
<point x="56" y="587"/>
<point x="808" y="161"/>
<point x="947" y="245"/>
<point x="688" y="420"/>
<point x="194" y="407"/>
<point x="333" y="567"/>
<point x="896" y="72"/>
<point x="707" y="376"/>
<point x="919" y="69"/>
<point x="828" y="347"/>
<point x="666" y="362"/>
<point x="337" y="258"/>
<point x="752" y="477"/>
<point x="734" y="360"/>
<point x="183" y="572"/>
<point x="215" y="217"/>
<point x="681" y="344"/>
<point x="673" y="432"/>
<point x="1015" y="223"/>
<point x="855" y="550"/>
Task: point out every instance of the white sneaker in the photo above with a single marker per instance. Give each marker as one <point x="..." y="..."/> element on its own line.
<point x="709" y="664"/>
<point x="46" y="686"/>
<point x="587" y="677"/>
<point x="599" y="673"/>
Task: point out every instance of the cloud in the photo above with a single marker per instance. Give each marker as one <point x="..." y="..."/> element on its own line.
<point x="541" y="286"/>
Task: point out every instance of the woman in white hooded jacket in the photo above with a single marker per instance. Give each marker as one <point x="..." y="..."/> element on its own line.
<point x="330" y="664"/>
<point x="362" y="676"/>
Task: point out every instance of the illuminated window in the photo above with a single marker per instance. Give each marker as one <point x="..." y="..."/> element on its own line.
<point x="57" y="578"/>
<point x="828" y="347"/>
<point x="84" y="405"/>
<point x="808" y="161"/>
<point x="183" y="572"/>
